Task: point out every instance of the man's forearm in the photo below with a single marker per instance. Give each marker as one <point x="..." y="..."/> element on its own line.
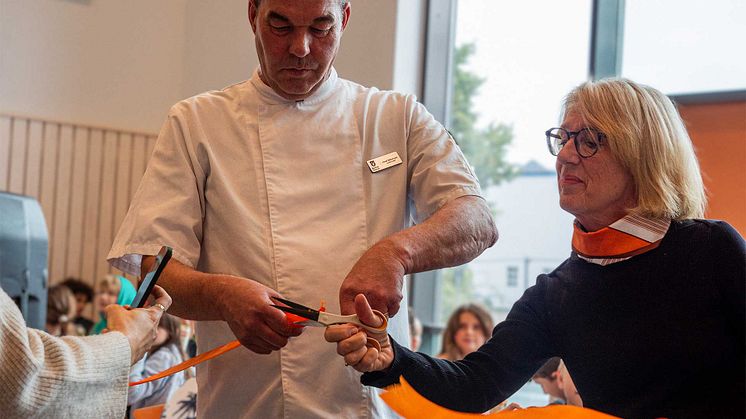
<point x="194" y="293"/>
<point x="455" y="234"/>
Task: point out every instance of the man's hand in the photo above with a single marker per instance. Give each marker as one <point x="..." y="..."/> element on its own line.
<point x="245" y="305"/>
<point x="351" y="340"/>
<point x="139" y="325"/>
<point x="379" y="275"/>
<point x="455" y="234"/>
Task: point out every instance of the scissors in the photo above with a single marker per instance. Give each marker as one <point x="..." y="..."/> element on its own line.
<point x="311" y="317"/>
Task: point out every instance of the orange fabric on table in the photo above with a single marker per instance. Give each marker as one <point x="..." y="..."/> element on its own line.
<point x="150" y="412"/>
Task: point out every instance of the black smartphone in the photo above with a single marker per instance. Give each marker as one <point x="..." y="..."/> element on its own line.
<point x="147" y="284"/>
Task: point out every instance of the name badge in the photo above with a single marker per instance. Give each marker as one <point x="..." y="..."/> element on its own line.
<point x="384" y="162"/>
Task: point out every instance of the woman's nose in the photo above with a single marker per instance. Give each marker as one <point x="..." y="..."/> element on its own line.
<point x="568" y="153"/>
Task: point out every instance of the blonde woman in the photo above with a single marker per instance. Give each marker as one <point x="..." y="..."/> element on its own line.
<point x="111" y="289"/>
<point x="648" y="311"/>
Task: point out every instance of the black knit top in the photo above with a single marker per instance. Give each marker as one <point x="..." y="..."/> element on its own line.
<point x="658" y="335"/>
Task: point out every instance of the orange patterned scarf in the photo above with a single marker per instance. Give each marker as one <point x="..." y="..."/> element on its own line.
<point x="623" y="239"/>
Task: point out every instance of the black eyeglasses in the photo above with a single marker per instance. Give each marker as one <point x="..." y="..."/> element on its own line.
<point x="587" y="141"/>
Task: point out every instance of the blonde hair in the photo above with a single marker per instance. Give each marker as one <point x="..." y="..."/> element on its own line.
<point x="109" y="283"/>
<point x="646" y="136"/>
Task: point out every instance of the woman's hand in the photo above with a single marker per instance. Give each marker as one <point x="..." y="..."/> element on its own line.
<point x="351" y="340"/>
<point x="140" y="325"/>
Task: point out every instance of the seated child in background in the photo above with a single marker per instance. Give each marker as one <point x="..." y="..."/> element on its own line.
<point x="415" y="331"/>
<point x="60" y="311"/>
<point x="548" y="378"/>
<point x="468" y="328"/>
<point x="165" y="353"/>
<point x="568" y="387"/>
<point x="83" y="295"/>
<point x="111" y="289"/>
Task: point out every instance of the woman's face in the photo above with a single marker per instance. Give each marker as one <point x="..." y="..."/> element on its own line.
<point x="596" y="190"/>
<point x="469" y="336"/>
<point x="161" y="336"/>
<point x="105" y="298"/>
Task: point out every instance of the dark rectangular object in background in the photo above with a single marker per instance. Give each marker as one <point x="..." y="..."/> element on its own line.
<point x="23" y="256"/>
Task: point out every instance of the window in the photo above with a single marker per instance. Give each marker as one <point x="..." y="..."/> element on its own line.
<point x="510" y="69"/>
<point x="685" y="46"/>
<point x="499" y="84"/>
<point x="512" y="276"/>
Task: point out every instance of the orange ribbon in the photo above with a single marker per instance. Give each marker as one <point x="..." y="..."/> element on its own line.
<point x="190" y="362"/>
<point x="290" y="318"/>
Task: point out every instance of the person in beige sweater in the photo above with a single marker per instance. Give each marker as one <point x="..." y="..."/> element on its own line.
<point x="46" y="376"/>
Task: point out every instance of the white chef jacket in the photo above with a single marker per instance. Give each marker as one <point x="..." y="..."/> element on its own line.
<point x="245" y="182"/>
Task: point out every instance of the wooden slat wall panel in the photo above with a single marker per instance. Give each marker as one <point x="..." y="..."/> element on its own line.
<point x="17" y="155"/>
<point x="108" y="199"/>
<point x="76" y="202"/>
<point x="139" y="161"/>
<point x="94" y="185"/>
<point x="62" y="190"/>
<point x="84" y="178"/>
<point x="4" y="152"/>
<point x="33" y="159"/>
<point x="48" y="169"/>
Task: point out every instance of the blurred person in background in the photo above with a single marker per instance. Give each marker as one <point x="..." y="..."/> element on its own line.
<point x="415" y="331"/>
<point x="60" y="311"/>
<point x="467" y="329"/>
<point x="547" y="377"/>
<point x="567" y="386"/>
<point x="165" y="353"/>
<point x="111" y="289"/>
<point x="83" y="295"/>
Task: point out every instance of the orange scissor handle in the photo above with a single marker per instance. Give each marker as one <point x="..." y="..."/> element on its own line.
<point x="373" y="343"/>
<point x="380" y="329"/>
<point x="293" y="320"/>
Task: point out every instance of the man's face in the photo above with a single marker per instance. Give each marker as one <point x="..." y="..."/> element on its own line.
<point x="296" y="42"/>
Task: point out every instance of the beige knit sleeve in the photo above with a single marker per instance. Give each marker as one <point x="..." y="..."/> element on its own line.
<point x="45" y="376"/>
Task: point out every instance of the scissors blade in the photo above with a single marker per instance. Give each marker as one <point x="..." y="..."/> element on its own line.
<point x="290" y="303"/>
<point x="297" y="309"/>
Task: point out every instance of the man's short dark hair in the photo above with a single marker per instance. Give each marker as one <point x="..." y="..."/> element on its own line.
<point x="548" y="368"/>
<point x="78" y="287"/>
<point x="341" y="3"/>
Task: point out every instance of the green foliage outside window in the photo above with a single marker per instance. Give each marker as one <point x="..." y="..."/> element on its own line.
<point x="485" y="148"/>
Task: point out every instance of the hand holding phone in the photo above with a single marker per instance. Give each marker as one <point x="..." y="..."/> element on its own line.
<point x="147" y="284"/>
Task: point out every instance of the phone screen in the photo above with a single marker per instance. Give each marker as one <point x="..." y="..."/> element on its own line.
<point x="146" y="286"/>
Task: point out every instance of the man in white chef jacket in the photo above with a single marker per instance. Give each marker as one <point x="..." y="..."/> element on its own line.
<point x="300" y="184"/>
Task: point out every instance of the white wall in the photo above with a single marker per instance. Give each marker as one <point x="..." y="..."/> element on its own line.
<point x="219" y="45"/>
<point x="124" y="63"/>
<point x="113" y="63"/>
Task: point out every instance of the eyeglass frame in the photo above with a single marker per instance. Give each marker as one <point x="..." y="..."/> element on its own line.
<point x="572" y="135"/>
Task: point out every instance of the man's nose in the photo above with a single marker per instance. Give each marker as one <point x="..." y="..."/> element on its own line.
<point x="300" y="44"/>
<point x="568" y="153"/>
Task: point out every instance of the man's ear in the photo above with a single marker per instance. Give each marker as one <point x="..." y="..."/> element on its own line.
<point x="252" y="15"/>
<point x="345" y="15"/>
